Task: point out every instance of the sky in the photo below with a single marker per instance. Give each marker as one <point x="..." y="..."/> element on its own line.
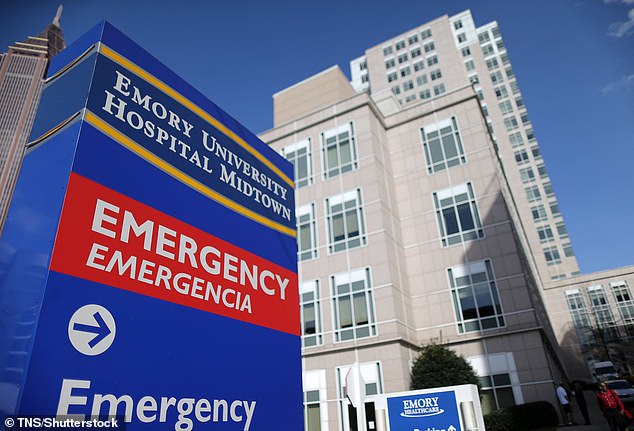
<point x="573" y="59"/>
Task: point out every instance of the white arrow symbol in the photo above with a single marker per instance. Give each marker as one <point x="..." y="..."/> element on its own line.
<point x="91" y="330"/>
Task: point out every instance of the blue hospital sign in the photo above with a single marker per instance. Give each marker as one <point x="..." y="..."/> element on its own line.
<point x="148" y="263"/>
<point x="436" y="411"/>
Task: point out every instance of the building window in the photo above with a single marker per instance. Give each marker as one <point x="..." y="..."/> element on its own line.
<point x="314" y="385"/>
<point x="457" y="25"/>
<point x="400" y="44"/>
<point x="412" y="39"/>
<point x="545" y="234"/>
<point x="469" y="65"/>
<point x="311" y="314"/>
<point x="501" y="92"/>
<point x="410" y="98"/>
<point x="405" y="71"/>
<point x="533" y="194"/>
<point x="541" y="170"/>
<point x="402" y="58"/>
<point x="554" y="209"/>
<point x="568" y="251"/>
<point x="339" y="150"/>
<point x="415" y="52"/>
<point x="390" y="63"/>
<point x="496" y="32"/>
<point x="387" y="50"/>
<point x="439" y="89"/>
<point x="496" y="392"/>
<point x="625" y="304"/>
<point x="561" y="230"/>
<point x="425" y="34"/>
<point x="466" y="51"/>
<point x="580" y="316"/>
<point x="516" y="139"/>
<point x="435" y="74"/>
<point x="429" y="47"/>
<point x="346" y="225"/>
<point x="552" y="255"/>
<point x="408" y="85"/>
<point x="527" y="175"/>
<point x="392" y="76"/>
<point x="419" y="65"/>
<point x="425" y="94"/>
<point x="442" y="145"/>
<point x="475" y="297"/>
<point x="484" y="37"/>
<point x="457" y="215"/>
<point x="496" y="78"/>
<point x="511" y="123"/>
<point x="396" y="90"/>
<point x="539" y="213"/>
<point x="421" y="80"/>
<point x="300" y="156"/>
<point x="492" y="63"/>
<point x="521" y="157"/>
<point x="548" y="190"/>
<point x="353" y="305"/>
<point x="461" y="38"/>
<point x="505" y="58"/>
<point x="488" y="50"/>
<point x="432" y="60"/>
<point x="306" y="232"/>
<point x="506" y="107"/>
<point x="312" y="411"/>
<point x="602" y="312"/>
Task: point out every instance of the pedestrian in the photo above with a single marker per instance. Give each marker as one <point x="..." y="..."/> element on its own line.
<point x="581" y="401"/>
<point x="612" y="407"/>
<point x="564" y="401"/>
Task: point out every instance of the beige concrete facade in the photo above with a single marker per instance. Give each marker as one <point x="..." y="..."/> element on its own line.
<point x="451" y="52"/>
<point x="426" y="214"/>
<point x="398" y="254"/>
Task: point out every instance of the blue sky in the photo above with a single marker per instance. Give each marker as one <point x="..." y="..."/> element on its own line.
<point x="574" y="61"/>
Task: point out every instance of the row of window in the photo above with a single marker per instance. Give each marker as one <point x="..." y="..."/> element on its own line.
<point x="472" y="286"/>
<point x="442" y="146"/>
<point x="456" y="212"/>
<point x="411" y="40"/>
<point x="599" y="323"/>
<point x="339" y="154"/>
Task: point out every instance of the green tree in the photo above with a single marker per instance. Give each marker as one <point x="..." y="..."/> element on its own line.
<point x="437" y="365"/>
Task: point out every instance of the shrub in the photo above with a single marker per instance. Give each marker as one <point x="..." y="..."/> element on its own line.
<point x="525" y="417"/>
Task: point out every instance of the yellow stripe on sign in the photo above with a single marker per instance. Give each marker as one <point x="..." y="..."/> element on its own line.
<point x="181" y="176"/>
<point x="118" y="58"/>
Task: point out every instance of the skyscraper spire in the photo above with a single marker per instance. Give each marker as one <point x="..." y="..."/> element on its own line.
<point x="58" y="15"/>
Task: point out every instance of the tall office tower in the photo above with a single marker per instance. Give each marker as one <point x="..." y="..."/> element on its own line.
<point x="22" y="70"/>
<point x="409" y="233"/>
<point x="445" y="54"/>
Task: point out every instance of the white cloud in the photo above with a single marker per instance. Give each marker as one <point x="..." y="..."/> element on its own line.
<point x="620" y="29"/>
<point x="624" y="84"/>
